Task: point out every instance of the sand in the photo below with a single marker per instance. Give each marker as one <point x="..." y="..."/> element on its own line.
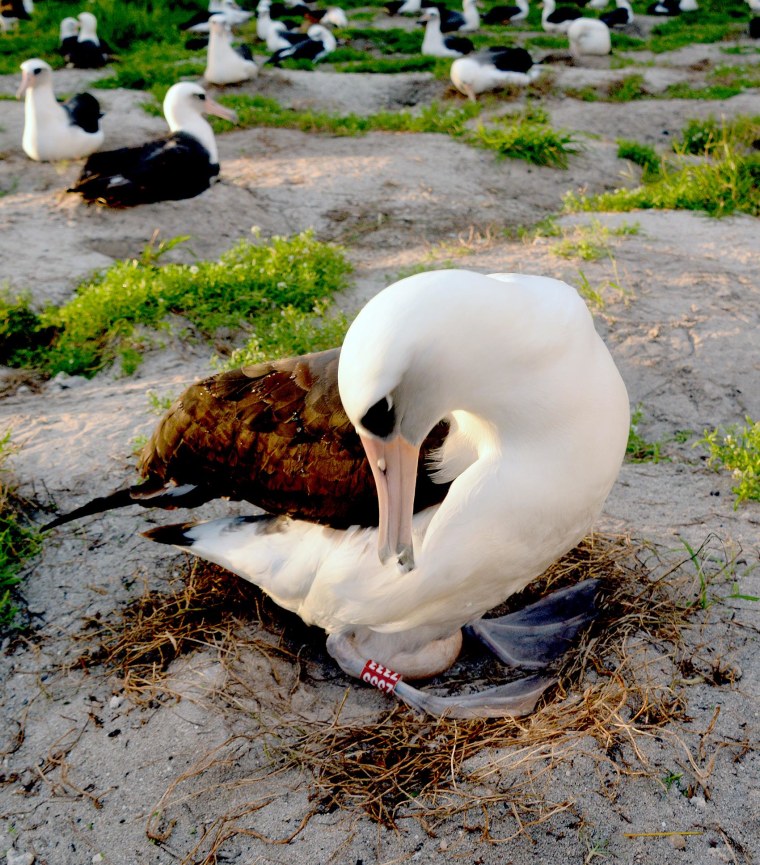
<point x="85" y="766"/>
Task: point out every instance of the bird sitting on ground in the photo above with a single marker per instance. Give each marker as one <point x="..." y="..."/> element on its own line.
<point x="466" y="21"/>
<point x="89" y="51"/>
<point x="492" y="69"/>
<point x="319" y="42"/>
<point x="226" y="64"/>
<point x="68" y="33"/>
<point x="233" y="15"/>
<point x="622" y="16"/>
<point x="507" y="14"/>
<point x="535" y="425"/>
<point x="557" y="20"/>
<point x="436" y="44"/>
<point x="589" y="36"/>
<point x="52" y="130"/>
<point x="181" y="165"/>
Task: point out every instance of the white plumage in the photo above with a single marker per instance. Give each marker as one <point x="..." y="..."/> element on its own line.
<point x="540" y="421"/>
<point x="224" y="64"/>
<point x="588" y="36"/>
<point x="491" y="70"/>
<point x="50" y="130"/>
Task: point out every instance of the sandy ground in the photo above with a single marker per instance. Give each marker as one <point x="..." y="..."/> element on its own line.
<point x="81" y="783"/>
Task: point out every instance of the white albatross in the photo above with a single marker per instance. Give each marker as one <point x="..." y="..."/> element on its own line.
<point x="493" y="69"/>
<point x="54" y="131"/>
<point x="226" y="64"/>
<point x="539" y="423"/>
<point x="589" y="36"/>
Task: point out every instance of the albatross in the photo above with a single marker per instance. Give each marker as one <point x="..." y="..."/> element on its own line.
<point x="53" y="130"/>
<point x="181" y="165"/>
<point x="226" y="64"/>
<point x="535" y="424"/>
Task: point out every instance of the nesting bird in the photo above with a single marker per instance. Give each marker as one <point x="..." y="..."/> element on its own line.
<point x="557" y="20"/>
<point x="88" y="52"/>
<point x="436" y="44"/>
<point x="621" y="16"/>
<point x="68" y="37"/>
<point x="180" y="165"/>
<point x="503" y="382"/>
<point x="232" y="13"/>
<point x="492" y="69"/>
<point x="52" y="130"/>
<point x="507" y="14"/>
<point x="589" y="36"/>
<point x="319" y="42"/>
<point x="226" y="64"/>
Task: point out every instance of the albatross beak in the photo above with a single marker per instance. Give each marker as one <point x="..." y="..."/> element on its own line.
<point x="213" y="107"/>
<point x="26" y="78"/>
<point x="394" y="467"/>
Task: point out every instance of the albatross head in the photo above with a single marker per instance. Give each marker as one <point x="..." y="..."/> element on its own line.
<point x="69" y="27"/>
<point x="34" y="73"/>
<point x="184" y="105"/>
<point x="396" y="382"/>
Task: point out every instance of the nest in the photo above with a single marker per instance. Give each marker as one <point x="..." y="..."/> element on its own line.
<point x="399" y="766"/>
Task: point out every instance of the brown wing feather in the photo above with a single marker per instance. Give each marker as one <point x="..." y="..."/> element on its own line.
<point x="276" y="435"/>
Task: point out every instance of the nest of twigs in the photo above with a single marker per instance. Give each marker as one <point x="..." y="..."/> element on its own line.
<point x="399" y="765"/>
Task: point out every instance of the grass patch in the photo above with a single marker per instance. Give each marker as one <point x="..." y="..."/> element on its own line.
<point x="152" y="65"/>
<point x="638" y="449"/>
<point x="590" y="242"/>
<point x="246" y="288"/>
<point x="527" y="135"/>
<point x="17" y="540"/>
<point x="737" y="450"/>
<point x="640" y="154"/>
<point x="729" y="183"/>
<point x="704" y="137"/>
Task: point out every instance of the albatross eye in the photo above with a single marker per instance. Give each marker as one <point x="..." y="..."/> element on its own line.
<point x="380" y="419"/>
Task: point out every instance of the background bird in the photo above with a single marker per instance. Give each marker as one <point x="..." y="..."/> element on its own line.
<point x="52" y="130"/>
<point x="181" y="165"/>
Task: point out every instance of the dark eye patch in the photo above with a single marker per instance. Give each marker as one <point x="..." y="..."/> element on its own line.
<point x="380" y="419"/>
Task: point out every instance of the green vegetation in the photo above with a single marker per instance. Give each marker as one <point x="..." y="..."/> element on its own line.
<point x="527" y="135"/>
<point x="640" y="154"/>
<point x="704" y="137"/>
<point x="152" y="65"/>
<point x="728" y="183"/>
<point x="247" y="289"/>
<point x="737" y="449"/>
<point x="639" y="450"/>
<point x="261" y="111"/>
<point x="590" y="242"/>
<point x="17" y="541"/>
<point x="287" y="333"/>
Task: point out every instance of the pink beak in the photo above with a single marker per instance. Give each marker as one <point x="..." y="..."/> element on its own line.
<point x="213" y="107"/>
<point x="26" y="79"/>
<point x="394" y="467"/>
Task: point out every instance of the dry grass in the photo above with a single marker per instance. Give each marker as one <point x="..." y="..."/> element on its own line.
<point x="624" y="685"/>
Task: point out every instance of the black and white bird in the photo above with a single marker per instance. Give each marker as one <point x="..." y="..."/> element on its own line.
<point x="622" y="16"/>
<point x="225" y="63"/>
<point x="280" y="38"/>
<point x="436" y="44"/>
<point x="466" y="21"/>
<point x="180" y="165"/>
<point x="557" y="20"/>
<point x="318" y="44"/>
<point x="407" y="7"/>
<point x="13" y="11"/>
<point x="492" y="69"/>
<point x="507" y="14"/>
<point x="68" y="34"/>
<point x="333" y="15"/>
<point x="52" y="130"/>
<point x="89" y="52"/>
<point x="589" y="36"/>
